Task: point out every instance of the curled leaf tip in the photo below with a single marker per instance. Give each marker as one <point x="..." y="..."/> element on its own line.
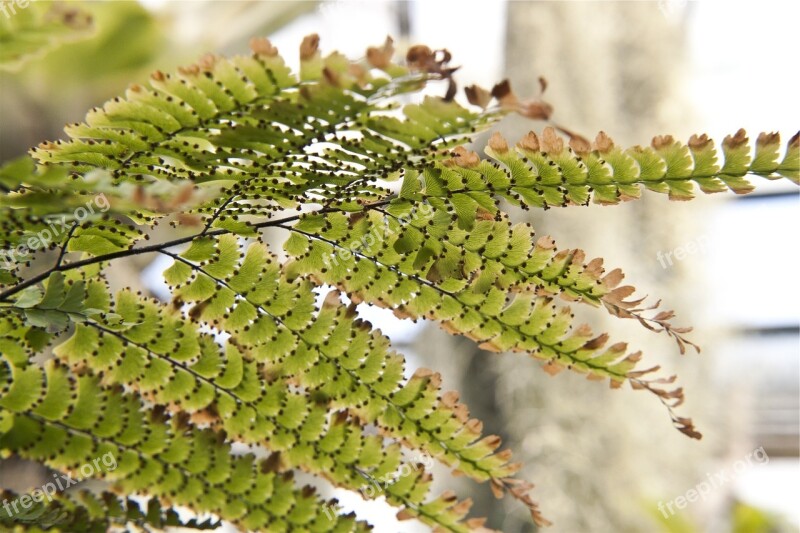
<point x="551" y="142"/>
<point x="736" y="140"/>
<point x="498" y="143"/>
<point x="381" y="56"/>
<point x="478" y="96"/>
<point x="662" y="141"/>
<point x="698" y="142"/>
<point x="309" y="47"/>
<point x="529" y="142"/>
<point x="263" y="47"/>
<point x="603" y="143"/>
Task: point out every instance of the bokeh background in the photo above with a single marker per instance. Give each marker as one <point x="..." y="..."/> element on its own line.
<point x="601" y="459"/>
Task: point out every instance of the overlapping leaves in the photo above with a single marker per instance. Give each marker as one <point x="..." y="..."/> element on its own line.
<point x="380" y="202"/>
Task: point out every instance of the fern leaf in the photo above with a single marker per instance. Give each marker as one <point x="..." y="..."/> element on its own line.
<point x="33" y="30"/>
<point x="83" y="511"/>
<point x="547" y="172"/>
<point x="66" y="421"/>
<point x="228" y="391"/>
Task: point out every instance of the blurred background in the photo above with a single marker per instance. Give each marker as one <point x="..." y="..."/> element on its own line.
<point x="601" y="460"/>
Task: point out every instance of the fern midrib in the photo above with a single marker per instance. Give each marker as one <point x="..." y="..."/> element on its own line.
<point x="168" y="359"/>
<point x="405" y="501"/>
<point x="416" y="279"/>
<point x="167" y="466"/>
<point x="769" y="175"/>
<point x="336" y="364"/>
<point x="158" y="247"/>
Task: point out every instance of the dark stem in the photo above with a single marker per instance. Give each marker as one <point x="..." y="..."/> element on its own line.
<point x="158" y="247"/>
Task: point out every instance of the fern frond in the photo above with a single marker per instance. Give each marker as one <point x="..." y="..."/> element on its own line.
<point x="398" y="267"/>
<point x="491" y="251"/>
<point x="271" y="139"/>
<point x="244" y="294"/>
<point x="66" y="421"/>
<point x="153" y="350"/>
<point x="548" y="172"/>
<point x="83" y="511"/>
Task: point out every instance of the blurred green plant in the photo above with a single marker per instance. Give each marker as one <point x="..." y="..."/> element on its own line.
<point x="31" y="29"/>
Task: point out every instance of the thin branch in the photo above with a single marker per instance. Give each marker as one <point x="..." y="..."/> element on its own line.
<point x="158" y="247"/>
<point x="66" y="243"/>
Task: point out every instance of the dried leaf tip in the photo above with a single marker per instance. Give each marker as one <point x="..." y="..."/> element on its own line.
<point x="536" y="110"/>
<point x="381" y="57"/>
<point x="699" y="142"/>
<point x="498" y="143"/>
<point x="551" y="143"/>
<point x="662" y="141"/>
<point x="529" y="142"/>
<point x="603" y="143"/>
<point x="580" y="145"/>
<point x="503" y="93"/>
<point x="309" y="48"/>
<point x="478" y="96"/>
<point x="463" y="158"/>
<point x="263" y="47"/>
<point x="542" y="84"/>
<point x="765" y="139"/>
<point x="207" y="62"/>
<point x="738" y="139"/>
<point x="419" y="57"/>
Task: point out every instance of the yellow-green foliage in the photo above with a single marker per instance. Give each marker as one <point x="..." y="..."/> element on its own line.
<point x="381" y="204"/>
<point x="29" y="29"/>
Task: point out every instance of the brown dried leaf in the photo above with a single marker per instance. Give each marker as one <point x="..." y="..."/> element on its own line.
<point x="535" y="109"/>
<point x="603" y="143"/>
<point x="529" y="142"/>
<point x="263" y="47"/>
<point x="478" y="96"/>
<point x="497" y="489"/>
<point x="736" y="140"/>
<point x="498" y="143"/>
<point x="419" y="57"/>
<point x="551" y="142"/>
<point x="309" y="48"/>
<point x="613" y="278"/>
<point x="504" y="95"/>
<point x="381" y="57"/>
